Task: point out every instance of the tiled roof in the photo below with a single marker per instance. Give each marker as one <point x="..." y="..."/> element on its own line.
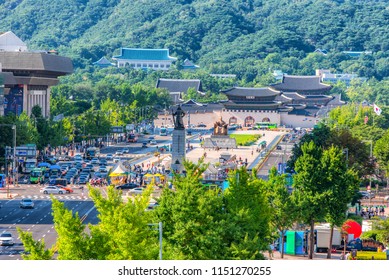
<point x="294" y="95"/>
<point x="36" y="61"/>
<point x="336" y="101"/>
<point x="8" y="78"/>
<point x="176" y="85"/>
<point x="145" y="54"/>
<point x="103" y="61"/>
<point x="300" y="83"/>
<point x="189" y="65"/>
<point x="243" y="91"/>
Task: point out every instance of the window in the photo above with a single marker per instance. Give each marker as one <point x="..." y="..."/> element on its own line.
<point x="132" y="65"/>
<point x="156" y="65"/>
<point x="139" y="65"/>
<point x="144" y="65"/>
<point x="162" y="65"/>
<point x="167" y="65"/>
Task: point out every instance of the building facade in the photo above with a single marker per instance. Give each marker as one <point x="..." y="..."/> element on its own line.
<point x="155" y="59"/>
<point x="28" y="77"/>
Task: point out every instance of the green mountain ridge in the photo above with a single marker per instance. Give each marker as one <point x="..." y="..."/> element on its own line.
<point x="208" y="32"/>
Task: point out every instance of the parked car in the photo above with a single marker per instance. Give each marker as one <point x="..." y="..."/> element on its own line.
<point x="26" y="203"/>
<point x="127" y="186"/>
<point x="153" y="142"/>
<point x="115" y="160"/>
<point x="94" y="161"/>
<point x="109" y="156"/>
<point x="53" y="190"/>
<point x="6" y="239"/>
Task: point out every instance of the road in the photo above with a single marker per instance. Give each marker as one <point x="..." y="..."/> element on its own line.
<point x="38" y="220"/>
<point x="275" y="157"/>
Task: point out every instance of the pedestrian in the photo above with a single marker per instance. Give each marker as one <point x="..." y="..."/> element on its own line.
<point x="348" y="256"/>
<point x="342" y="256"/>
<point x="387" y="252"/>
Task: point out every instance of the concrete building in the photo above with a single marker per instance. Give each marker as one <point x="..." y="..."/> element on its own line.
<point x="28" y="76"/>
<point x="155" y="59"/>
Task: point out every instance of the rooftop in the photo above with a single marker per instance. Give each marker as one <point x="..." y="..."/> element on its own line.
<point x="144" y="54"/>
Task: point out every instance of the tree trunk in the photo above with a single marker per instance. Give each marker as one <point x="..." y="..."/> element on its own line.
<point x="311" y="240"/>
<point x="330" y="244"/>
<point x="282" y="243"/>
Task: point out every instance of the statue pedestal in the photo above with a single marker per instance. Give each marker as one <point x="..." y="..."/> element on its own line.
<point x="220" y="141"/>
<point x="178" y="150"/>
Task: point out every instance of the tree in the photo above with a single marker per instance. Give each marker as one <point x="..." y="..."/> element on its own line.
<point x="310" y="191"/>
<point x="342" y="185"/>
<point x="246" y="205"/>
<point x="34" y="250"/>
<point x="122" y="233"/>
<point x="282" y="205"/>
<point x="381" y="151"/>
<point x="192" y="217"/>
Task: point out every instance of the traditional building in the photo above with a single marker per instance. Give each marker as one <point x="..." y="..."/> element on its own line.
<point x="155" y="59"/>
<point x="177" y="87"/>
<point x="103" y="63"/>
<point x="298" y="101"/>
<point x="189" y="65"/>
<point x="28" y="77"/>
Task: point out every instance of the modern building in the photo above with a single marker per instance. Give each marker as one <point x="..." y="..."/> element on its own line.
<point x="327" y="76"/>
<point x="155" y="59"/>
<point x="28" y="76"/>
<point x="178" y="87"/>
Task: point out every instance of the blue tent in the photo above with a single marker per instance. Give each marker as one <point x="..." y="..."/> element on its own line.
<point x="44" y="164"/>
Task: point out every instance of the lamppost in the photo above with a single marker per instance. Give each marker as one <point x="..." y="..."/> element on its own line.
<point x="371" y="156"/>
<point x="13" y="127"/>
<point x="160" y="237"/>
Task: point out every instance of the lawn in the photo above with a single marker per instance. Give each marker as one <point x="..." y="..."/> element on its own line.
<point x="245" y="139"/>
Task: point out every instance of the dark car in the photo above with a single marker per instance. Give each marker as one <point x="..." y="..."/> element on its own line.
<point x="144" y="145"/>
<point x="127" y="186"/>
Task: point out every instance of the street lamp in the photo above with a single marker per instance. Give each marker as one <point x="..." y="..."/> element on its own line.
<point x="371" y="156"/>
<point x="160" y="237"/>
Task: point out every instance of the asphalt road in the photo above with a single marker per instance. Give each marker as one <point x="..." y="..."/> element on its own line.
<point x="38" y="220"/>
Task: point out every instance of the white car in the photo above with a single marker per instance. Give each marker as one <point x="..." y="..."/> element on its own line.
<point x="119" y="153"/>
<point x="153" y="142"/>
<point x="136" y="191"/>
<point x="6" y="239"/>
<point x="26" y="203"/>
<point x="126" y="151"/>
<point x="53" y="190"/>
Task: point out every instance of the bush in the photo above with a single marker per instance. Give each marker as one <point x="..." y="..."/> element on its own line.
<point x="365" y="255"/>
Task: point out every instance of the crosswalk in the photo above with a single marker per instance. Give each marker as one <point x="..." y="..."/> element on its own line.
<point x="61" y="197"/>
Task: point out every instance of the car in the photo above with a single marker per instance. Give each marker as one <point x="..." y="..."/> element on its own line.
<point x="279" y="147"/>
<point x="68" y="189"/>
<point x="26" y="203"/>
<point x="103" y="161"/>
<point x="103" y="169"/>
<point x="53" y="190"/>
<point x="127" y="186"/>
<point x="136" y="191"/>
<point x="109" y="157"/>
<point x="153" y="142"/>
<point x="119" y="152"/>
<point x="367" y="195"/>
<point x="83" y="180"/>
<point x="126" y="151"/>
<point x="6" y="239"/>
<point x="144" y="145"/>
<point x="94" y="161"/>
<point x="201" y="125"/>
<point x="115" y="160"/>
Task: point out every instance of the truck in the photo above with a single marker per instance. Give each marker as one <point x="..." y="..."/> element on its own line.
<point x="364" y="245"/>
<point x="323" y="234"/>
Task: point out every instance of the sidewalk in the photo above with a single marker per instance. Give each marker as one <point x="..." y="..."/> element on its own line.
<point x="316" y="256"/>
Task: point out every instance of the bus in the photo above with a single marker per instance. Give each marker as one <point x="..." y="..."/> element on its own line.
<point x="265" y="125"/>
<point x="163" y="131"/>
<point x="30" y="164"/>
<point x="37" y="176"/>
<point x="92" y="152"/>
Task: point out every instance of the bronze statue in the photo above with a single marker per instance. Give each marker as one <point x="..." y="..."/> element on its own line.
<point x="178" y="118"/>
<point x="220" y="127"/>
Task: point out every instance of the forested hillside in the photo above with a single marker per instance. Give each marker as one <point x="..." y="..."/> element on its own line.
<point x="225" y="36"/>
